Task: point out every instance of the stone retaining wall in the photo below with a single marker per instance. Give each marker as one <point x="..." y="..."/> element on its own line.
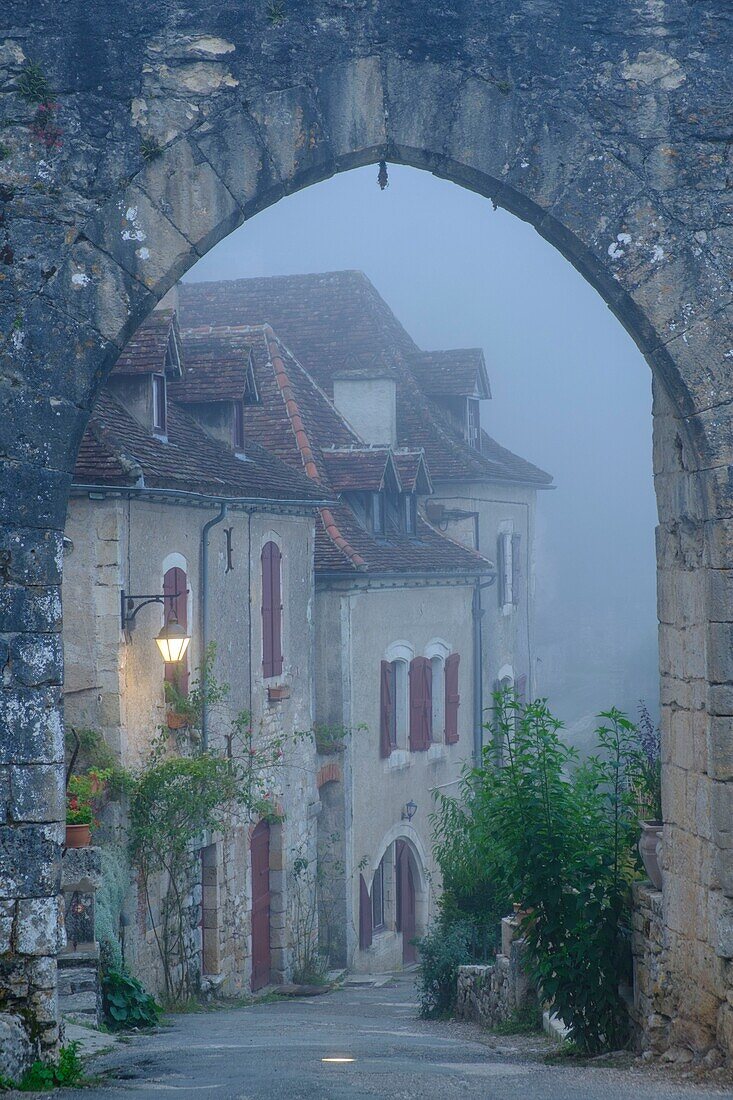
<point x="491" y="994"/>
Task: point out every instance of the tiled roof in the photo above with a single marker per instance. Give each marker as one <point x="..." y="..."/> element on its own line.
<point x="337" y="324"/>
<point x="116" y="450"/>
<point x="216" y="366"/>
<point x="361" y="469"/>
<point x="413" y="471"/>
<point x="145" y="352"/>
<point x="459" y="372"/>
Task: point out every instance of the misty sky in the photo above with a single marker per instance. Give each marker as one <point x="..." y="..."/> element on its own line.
<point x="571" y="392"/>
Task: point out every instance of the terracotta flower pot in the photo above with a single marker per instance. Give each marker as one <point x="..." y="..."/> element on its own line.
<point x="650" y="844"/>
<point x="175" y="721"/>
<point x="78" y="836"/>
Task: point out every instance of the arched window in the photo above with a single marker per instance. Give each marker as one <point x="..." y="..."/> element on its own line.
<point x="272" y="657"/>
<point x="175" y="592"/>
<point x="394" y="712"/>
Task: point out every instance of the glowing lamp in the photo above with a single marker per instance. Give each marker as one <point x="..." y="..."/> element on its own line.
<point x="172" y="641"/>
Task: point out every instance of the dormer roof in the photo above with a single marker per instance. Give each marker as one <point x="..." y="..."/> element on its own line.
<point x="218" y="366"/>
<point x="460" y="372"/>
<point x="360" y="469"/>
<point x="154" y="349"/>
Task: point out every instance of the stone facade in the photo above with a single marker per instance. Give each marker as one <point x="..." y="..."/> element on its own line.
<point x="605" y="126"/>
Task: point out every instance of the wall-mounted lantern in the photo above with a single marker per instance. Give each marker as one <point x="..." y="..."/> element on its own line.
<point x="172" y="641"/>
<point x="409" y="811"/>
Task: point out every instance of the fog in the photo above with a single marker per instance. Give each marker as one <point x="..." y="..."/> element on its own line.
<point x="571" y="392"/>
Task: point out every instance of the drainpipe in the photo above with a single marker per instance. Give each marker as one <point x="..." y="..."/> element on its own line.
<point x="477" y="612"/>
<point x="204" y="611"/>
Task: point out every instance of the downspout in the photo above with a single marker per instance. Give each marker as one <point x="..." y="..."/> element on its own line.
<point x="477" y="612"/>
<point x="204" y="621"/>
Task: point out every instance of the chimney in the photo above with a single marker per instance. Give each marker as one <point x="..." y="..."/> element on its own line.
<point x="369" y="404"/>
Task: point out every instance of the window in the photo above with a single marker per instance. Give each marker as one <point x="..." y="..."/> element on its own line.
<point x="421" y="707"/>
<point x="172" y="361"/>
<point x="410" y="506"/>
<point x="272" y="657"/>
<point x="251" y="397"/>
<point x="238" y="426"/>
<point x="509" y="560"/>
<point x="159" y="403"/>
<point x="377" y="506"/>
<point x="473" y="423"/>
<point x="437" y="687"/>
<point x="393" y="706"/>
<point x="175" y="600"/>
<point x="378" y="898"/>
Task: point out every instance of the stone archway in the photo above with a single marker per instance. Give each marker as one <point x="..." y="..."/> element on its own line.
<point x="138" y="142"/>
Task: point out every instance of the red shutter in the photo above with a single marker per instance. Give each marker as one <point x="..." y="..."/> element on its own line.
<point x="452" y="698"/>
<point x="420" y="704"/>
<point x="175" y="592"/>
<point x="272" y="658"/>
<point x="267" y="661"/>
<point x="386" y="710"/>
<point x="365" y="915"/>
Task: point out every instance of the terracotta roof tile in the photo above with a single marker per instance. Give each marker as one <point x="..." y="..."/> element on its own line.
<point x="216" y="366"/>
<point x="145" y="352"/>
<point x="461" y="371"/>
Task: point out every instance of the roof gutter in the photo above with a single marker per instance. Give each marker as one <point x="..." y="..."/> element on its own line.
<point x="186" y="496"/>
<point x="204" y="584"/>
<point x="356" y="575"/>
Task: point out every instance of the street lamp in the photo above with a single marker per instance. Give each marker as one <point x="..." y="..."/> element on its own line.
<point x="409" y="811"/>
<point x="172" y="641"/>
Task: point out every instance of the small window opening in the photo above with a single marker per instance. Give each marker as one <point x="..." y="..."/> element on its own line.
<point x="377" y="500"/>
<point x="473" y="424"/>
<point x="159" y="403"/>
<point x="437" y="725"/>
<point x="238" y="427"/>
<point x="410" y="507"/>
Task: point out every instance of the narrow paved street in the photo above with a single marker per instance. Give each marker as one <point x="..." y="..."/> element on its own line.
<point x="276" y="1051"/>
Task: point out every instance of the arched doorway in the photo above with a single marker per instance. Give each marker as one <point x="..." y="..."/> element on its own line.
<point x="260" y="867"/>
<point x="406" y="900"/>
<point x="206" y="132"/>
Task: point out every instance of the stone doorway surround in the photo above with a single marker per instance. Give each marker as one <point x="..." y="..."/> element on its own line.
<point x="137" y="136"/>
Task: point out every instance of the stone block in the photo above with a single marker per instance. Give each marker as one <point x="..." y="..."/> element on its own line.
<point x="39" y="928"/>
<point x="720" y="747"/>
<point x="30" y="860"/>
<point x="29" y="609"/>
<point x="37" y="793"/>
<point x="32" y="724"/>
<point x="234" y="144"/>
<point x="16" y="1049"/>
<point x="37" y="659"/>
<point x="351" y="105"/>
<point x="81" y="868"/>
<point x="295" y="140"/>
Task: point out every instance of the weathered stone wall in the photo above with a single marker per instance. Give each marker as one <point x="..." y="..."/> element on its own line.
<point x="492" y="994"/>
<point x="147" y="131"/>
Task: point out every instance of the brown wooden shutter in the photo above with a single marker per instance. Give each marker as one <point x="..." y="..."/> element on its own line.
<point x="452" y="698"/>
<point x="386" y="710"/>
<point x="175" y="592"/>
<point x="516" y="567"/>
<point x="365" y="915"/>
<point x="420" y="704"/>
<point x="272" y="658"/>
<point x="520" y="689"/>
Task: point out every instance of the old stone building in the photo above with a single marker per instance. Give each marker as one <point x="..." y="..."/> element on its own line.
<point x="413" y="625"/>
<point x="170" y="497"/>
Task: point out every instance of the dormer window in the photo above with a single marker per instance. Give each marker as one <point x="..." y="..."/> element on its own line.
<point x="238" y="427"/>
<point x="159" y="404"/>
<point x="251" y="396"/>
<point x="172" y="363"/>
<point x="409" y="503"/>
<point x="377" y="513"/>
<point x="473" y="423"/>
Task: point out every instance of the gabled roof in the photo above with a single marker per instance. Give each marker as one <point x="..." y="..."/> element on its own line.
<point x="460" y="372"/>
<point x="413" y="471"/>
<point x="337" y="325"/>
<point x="116" y="450"/>
<point x="359" y="469"/>
<point x="217" y="363"/>
<point x="155" y="348"/>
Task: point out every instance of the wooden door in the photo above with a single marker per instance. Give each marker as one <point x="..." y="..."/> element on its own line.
<point x="406" y="923"/>
<point x="260" y="850"/>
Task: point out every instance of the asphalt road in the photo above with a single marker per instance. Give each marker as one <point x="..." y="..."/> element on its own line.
<point x="276" y="1051"/>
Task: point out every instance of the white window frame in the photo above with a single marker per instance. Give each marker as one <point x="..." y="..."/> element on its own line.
<point x="506" y="531"/>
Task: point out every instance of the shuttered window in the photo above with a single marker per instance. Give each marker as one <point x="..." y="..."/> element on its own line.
<point x="378" y="898"/>
<point x="175" y="593"/>
<point x="387" y="730"/>
<point x="421" y="704"/>
<point x="272" y="657"/>
<point x="452" y="698"/>
<point x="365" y="915"/>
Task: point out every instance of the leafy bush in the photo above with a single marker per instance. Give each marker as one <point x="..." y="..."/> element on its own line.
<point x="68" y="1071"/>
<point x="560" y="840"/>
<point x="109" y="904"/>
<point x="442" y="951"/>
<point x="126" y="1003"/>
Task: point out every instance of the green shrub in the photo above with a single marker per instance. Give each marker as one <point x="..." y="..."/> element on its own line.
<point x="109" y="904"/>
<point x="68" y="1071"/>
<point x="126" y="1003"/>
<point x="442" y="951"/>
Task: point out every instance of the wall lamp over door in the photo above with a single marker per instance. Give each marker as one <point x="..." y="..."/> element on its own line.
<point x="409" y="811"/>
<point x="172" y="641"/>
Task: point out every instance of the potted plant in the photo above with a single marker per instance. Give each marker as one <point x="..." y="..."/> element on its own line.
<point x="81" y="793"/>
<point x="647" y="786"/>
